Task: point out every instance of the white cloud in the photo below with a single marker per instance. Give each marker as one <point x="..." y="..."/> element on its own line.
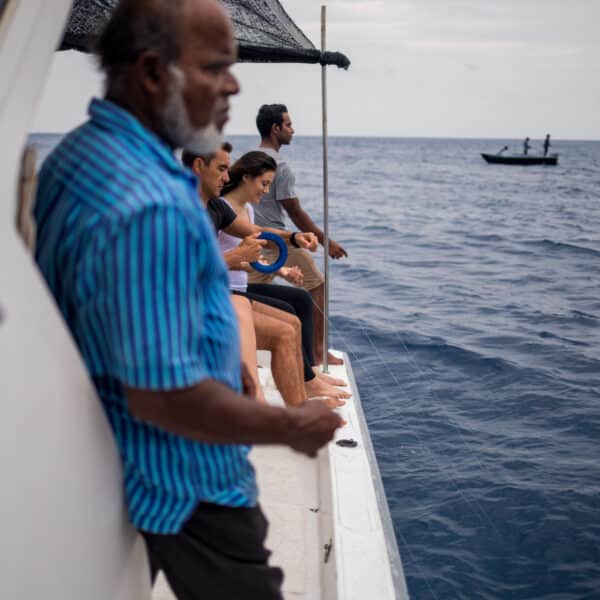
<point x="483" y="68"/>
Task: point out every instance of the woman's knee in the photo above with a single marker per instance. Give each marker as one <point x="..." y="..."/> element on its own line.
<point x="243" y="308"/>
<point x="241" y="303"/>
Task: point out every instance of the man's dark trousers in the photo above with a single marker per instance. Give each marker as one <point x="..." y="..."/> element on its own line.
<point x="218" y="555"/>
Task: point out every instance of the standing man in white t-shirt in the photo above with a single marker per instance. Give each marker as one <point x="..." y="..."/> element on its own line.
<point x="275" y="128"/>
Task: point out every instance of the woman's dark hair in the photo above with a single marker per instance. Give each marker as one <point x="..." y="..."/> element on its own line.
<point x="269" y="115"/>
<point x="253" y="164"/>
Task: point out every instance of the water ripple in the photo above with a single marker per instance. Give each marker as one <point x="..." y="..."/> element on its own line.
<point x="470" y="307"/>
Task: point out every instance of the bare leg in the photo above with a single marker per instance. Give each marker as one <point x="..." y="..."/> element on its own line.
<point x="282" y="338"/>
<point x="318" y="297"/>
<point x="243" y="310"/>
<point x="318" y="386"/>
<point x="291" y="320"/>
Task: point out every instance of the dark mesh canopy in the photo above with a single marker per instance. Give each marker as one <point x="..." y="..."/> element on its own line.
<point x="264" y="31"/>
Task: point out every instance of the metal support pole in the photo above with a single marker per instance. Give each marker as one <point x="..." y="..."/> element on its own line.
<point x="325" y="194"/>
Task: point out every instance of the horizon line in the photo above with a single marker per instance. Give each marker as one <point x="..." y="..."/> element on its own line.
<point x="384" y="137"/>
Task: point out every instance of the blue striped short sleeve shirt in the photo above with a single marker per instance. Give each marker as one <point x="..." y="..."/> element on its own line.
<point x="131" y="258"/>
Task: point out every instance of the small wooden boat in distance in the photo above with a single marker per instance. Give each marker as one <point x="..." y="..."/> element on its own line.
<point x="520" y="159"/>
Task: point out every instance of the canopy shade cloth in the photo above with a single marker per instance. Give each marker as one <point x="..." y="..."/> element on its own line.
<point x="264" y="31"/>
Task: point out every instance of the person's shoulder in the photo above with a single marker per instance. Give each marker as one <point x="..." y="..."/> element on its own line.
<point x="219" y="203"/>
<point x="144" y="199"/>
<point x="277" y="156"/>
<point x="272" y="153"/>
<point x="113" y="192"/>
<point x="96" y="157"/>
<point x="284" y="171"/>
<point x="282" y="163"/>
<point x="223" y="211"/>
<point x="70" y="150"/>
<point x="89" y="168"/>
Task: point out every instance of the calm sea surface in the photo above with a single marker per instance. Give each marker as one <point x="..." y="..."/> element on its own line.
<point x="470" y="307"/>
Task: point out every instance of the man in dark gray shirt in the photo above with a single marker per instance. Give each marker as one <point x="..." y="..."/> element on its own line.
<point x="275" y="128"/>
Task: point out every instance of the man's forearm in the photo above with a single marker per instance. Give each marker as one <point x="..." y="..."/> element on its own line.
<point x="243" y="228"/>
<point x="303" y="222"/>
<point x="285" y="235"/>
<point x="211" y="412"/>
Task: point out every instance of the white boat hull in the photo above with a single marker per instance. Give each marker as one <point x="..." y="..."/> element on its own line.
<point x="65" y="534"/>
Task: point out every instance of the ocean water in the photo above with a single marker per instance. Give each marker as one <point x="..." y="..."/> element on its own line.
<point x="470" y="308"/>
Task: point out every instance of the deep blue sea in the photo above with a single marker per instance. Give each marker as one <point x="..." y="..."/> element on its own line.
<point x="470" y="308"/>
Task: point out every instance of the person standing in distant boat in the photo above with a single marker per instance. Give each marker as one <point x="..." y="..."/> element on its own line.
<point x="275" y="129"/>
<point x="547" y="144"/>
<point x="526" y="146"/>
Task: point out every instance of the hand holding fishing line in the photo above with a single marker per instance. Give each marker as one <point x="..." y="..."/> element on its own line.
<point x="306" y="240"/>
<point x="336" y="250"/>
<point x="314" y="424"/>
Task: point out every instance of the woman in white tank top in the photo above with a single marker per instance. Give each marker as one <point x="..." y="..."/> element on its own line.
<point x="250" y="178"/>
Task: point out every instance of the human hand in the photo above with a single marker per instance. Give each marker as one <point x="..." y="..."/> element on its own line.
<point x="292" y="275"/>
<point x="336" y="250"/>
<point x="313" y="426"/>
<point x="249" y="248"/>
<point x="307" y="240"/>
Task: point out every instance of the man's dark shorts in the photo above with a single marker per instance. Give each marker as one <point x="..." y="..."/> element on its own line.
<point x="219" y="554"/>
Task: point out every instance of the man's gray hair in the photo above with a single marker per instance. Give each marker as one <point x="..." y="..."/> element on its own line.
<point x="137" y="26"/>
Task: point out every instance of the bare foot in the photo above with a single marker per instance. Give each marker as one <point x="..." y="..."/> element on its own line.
<point x="335" y="391"/>
<point x="335" y="402"/>
<point x="331" y="359"/>
<point x="317" y="387"/>
<point x="334" y="360"/>
<point x="330" y="402"/>
<point x="329" y="379"/>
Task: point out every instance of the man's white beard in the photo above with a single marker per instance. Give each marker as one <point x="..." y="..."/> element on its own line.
<point x="176" y="123"/>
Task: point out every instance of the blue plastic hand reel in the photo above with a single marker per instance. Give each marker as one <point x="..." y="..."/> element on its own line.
<point x="283" y="254"/>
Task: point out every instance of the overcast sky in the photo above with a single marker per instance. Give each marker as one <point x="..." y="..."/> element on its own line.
<point x="433" y="68"/>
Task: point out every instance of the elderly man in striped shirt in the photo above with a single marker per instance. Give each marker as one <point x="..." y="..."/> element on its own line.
<point x="130" y="256"/>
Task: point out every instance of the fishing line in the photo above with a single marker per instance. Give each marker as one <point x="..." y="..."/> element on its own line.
<point x="416" y="562"/>
<point x="462" y="497"/>
<point x="404" y="541"/>
<point x="473" y="502"/>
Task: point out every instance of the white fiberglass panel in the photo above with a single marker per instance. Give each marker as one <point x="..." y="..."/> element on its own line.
<point x="65" y="534"/>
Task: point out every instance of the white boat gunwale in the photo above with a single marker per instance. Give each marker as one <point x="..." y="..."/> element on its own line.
<point x="395" y="562"/>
